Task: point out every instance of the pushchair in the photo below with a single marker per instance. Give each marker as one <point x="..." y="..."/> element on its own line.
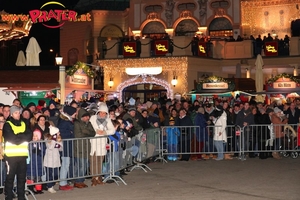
<point x="291" y="142"/>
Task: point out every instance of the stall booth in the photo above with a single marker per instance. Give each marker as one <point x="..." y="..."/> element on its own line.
<point x="79" y="84"/>
<point x="212" y="88"/>
<point x="29" y="85"/>
<point x="282" y="88"/>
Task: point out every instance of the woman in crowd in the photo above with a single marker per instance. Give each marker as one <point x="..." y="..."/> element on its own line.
<point x="42" y="125"/>
<point x="220" y="136"/>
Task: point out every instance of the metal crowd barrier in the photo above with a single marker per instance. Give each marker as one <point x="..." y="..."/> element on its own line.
<point x="183" y="142"/>
<point x="76" y="164"/>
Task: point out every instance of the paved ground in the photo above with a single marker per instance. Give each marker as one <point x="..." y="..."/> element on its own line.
<point x="253" y="179"/>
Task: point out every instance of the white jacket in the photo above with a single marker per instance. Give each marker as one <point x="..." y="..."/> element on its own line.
<point x="220" y="126"/>
<point x="98" y="146"/>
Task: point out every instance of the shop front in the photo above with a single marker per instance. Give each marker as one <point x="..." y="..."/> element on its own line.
<point x="146" y="78"/>
<point x="214" y="87"/>
<point x="282" y="88"/>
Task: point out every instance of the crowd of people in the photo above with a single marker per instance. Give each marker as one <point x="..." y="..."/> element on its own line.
<point x="196" y="130"/>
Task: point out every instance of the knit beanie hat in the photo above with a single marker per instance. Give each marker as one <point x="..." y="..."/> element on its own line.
<point x="38" y="133"/>
<point x="53" y="130"/>
<point x="69" y="110"/>
<point x="103" y="108"/>
<point x="52" y="102"/>
<point x="30" y="104"/>
<point x="14" y="109"/>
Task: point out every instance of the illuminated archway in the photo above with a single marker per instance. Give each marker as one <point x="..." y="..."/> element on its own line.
<point x="142" y="79"/>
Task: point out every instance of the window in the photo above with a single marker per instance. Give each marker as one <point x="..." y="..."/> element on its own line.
<point x="186" y="6"/>
<point x="153" y="8"/>
<point x="220" y="4"/>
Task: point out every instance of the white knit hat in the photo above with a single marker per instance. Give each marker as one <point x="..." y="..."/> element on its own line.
<point x="103" y="108"/>
<point x="53" y="130"/>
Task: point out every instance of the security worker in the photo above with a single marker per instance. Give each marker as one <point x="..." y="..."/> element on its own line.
<point x="16" y="136"/>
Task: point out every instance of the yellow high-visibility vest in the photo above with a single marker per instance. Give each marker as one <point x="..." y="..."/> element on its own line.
<point x="13" y="150"/>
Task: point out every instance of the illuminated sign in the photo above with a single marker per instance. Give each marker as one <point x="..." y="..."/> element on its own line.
<point x="79" y="80"/>
<point x="221" y="85"/>
<point x="42" y="16"/>
<point x="202" y="49"/>
<point x="284" y="85"/>
<point x="129" y="49"/>
<point x="271" y="48"/>
<point x="161" y="47"/>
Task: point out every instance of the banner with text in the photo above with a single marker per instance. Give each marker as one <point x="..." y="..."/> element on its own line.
<point x="271" y="48"/>
<point x="129" y="49"/>
<point x="161" y="47"/>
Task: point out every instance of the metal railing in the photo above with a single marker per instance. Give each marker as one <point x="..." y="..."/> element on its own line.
<point x="47" y="165"/>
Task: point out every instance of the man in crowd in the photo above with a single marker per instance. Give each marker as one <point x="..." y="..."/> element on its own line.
<point x="16" y="136"/>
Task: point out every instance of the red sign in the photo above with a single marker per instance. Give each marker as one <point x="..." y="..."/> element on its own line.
<point x="161" y="47"/>
<point x="202" y="49"/>
<point x="271" y="48"/>
<point x="129" y="49"/>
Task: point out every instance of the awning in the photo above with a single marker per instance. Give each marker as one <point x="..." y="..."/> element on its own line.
<point x="224" y="94"/>
<point x="22" y="89"/>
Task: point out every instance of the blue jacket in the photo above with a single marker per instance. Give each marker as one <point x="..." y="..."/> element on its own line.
<point x="66" y="129"/>
<point x="115" y="141"/>
<point x="172" y="135"/>
<point x="201" y="130"/>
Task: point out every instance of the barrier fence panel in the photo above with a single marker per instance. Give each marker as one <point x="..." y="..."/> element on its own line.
<point x="71" y="161"/>
<point x="178" y="142"/>
<point x="103" y="158"/>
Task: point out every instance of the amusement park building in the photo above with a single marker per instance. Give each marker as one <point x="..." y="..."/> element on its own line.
<point x="159" y="34"/>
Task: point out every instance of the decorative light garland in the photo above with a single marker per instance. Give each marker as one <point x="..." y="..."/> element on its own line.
<point x="144" y="79"/>
<point x="256" y="17"/>
<point x="85" y="68"/>
<point x="283" y="75"/>
<point x="214" y="79"/>
<point x="171" y="65"/>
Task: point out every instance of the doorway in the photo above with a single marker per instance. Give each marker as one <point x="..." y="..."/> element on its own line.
<point x="146" y="92"/>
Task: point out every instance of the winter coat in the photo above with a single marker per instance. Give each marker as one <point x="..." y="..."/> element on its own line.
<point x="173" y="134"/>
<point x="137" y="126"/>
<point x="98" y="145"/>
<point x="52" y="156"/>
<point x="66" y="129"/>
<point x="36" y="155"/>
<point x="293" y="116"/>
<point x="43" y="132"/>
<point x="244" y="116"/>
<point x="278" y="125"/>
<point x="201" y="130"/>
<point x="220" y="127"/>
<point x="185" y="124"/>
<point x="16" y="139"/>
<point x="82" y="130"/>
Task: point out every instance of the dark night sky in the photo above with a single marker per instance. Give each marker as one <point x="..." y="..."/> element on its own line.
<point x="48" y="38"/>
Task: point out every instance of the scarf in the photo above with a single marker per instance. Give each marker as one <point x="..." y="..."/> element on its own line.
<point x="101" y="121"/>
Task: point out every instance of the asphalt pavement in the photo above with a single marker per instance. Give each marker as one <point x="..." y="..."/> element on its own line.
<point x="252" y="179"/>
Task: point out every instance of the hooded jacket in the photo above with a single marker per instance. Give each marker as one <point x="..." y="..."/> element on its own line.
<point x="98" y="146"/>
<point x="220" y="127"/>
<point x="82" y="130"/>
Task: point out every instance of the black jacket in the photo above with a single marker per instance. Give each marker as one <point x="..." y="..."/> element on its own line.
<point x="10" y="136"/>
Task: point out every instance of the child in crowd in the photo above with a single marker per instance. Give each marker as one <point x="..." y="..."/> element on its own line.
<point x="52" y="157"/>
<point x="122" y="145"/>
<point x="172" y="138"/>
<point x="35" y="165"/>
